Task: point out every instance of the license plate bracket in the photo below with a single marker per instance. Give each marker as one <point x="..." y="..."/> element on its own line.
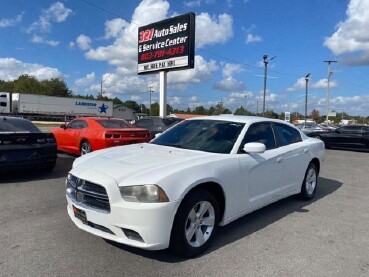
<point x="80" y="214"/>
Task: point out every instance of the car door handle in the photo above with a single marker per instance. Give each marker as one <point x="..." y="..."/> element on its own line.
<point x="279" y="160"/>
<point x="306" y="150"/>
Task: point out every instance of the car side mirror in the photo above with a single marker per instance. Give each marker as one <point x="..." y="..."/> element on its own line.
<point x="63" y="126"/>
<point x="254" y="147"/>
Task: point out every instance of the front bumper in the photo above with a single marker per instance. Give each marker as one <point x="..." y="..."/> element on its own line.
<point x="151" y="221"/>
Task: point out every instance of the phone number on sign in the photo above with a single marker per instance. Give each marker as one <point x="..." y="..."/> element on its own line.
<point x="162" y="53"/>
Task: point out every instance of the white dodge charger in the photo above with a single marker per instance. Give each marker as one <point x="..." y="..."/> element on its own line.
<point x="202" y="173"/>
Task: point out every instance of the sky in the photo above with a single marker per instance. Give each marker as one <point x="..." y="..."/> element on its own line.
<point x="92" y="42"/>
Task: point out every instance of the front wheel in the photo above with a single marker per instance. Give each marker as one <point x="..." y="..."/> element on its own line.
<point x="85" y="147"/>
<point x="310" y="182"/>
<point x="195" y="224"/>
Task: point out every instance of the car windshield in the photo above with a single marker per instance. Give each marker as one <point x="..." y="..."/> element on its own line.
<point x="213" y="136"/>
<point x="17" y="125"/>
<point x="113" y="123"/>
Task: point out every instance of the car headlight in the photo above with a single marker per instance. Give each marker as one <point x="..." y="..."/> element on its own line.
<point x="144" y="193"/>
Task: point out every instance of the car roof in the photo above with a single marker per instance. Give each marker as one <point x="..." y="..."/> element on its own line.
<point x="240" y="118"/>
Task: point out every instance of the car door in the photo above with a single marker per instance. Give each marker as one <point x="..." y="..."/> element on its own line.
<point x="69" y="138"/>
<point x="346" y="137"/>
<point x="262" y="173"/>
<point x="295" y="155"/>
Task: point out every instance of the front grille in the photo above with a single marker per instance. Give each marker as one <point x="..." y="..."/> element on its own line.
<point x="87" y="194"/>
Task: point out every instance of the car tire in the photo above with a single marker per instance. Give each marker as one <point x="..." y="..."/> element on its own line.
<point x="85" y="147"/>
<point x="310" y="182"/>
<point x="198" y="217"/>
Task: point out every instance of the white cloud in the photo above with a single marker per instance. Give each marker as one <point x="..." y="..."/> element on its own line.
<point x="320" y="84"/>
<point x="351" y="35"/>
<point x="192" y="4"/>
<point x="40" y="40"/>
<point x="203" y="71"/>
<point x="114" y="27"/>
<point x="4" y="22"/>
<point x="56" y="13"/>
<point x="253" y="38"/>
<point x="323" y="83"/>
<point x="11" y="69"/>
<point x="212" y="30"/>
<point x="229" y="69"/>
<point x="230" y="85"/>
<point x="83" y="42"/>
<point x="85" y="81"/>
<point x="123" y="52"/>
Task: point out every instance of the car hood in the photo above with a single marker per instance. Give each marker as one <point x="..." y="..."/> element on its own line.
<point x="140" y="163"/>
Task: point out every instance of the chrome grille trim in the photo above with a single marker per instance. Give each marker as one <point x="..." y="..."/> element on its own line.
<point x="88" y="195"/>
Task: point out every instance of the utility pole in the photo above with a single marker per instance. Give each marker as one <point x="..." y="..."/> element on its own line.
<point x="101" y="88"/>
<point x="306" y="94"/>
<point x="266" y="60"/>
<point x="329" y="77"/>
<point x="150" y="89"/>
<point x="245" y="102"/>
<point x="257" y="106"/>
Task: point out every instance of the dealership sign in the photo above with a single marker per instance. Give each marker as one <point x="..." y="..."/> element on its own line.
<point x="167" y="45"/>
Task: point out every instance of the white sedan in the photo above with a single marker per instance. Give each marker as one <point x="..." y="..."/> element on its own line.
<point x="202" y="173"/>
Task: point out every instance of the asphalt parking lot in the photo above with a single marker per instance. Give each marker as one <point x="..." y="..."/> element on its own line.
<point x="324" y="237"/>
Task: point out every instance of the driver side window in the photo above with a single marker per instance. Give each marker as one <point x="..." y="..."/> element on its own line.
<point x="260" y="132"/>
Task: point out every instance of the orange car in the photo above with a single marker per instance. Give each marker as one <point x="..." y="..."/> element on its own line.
<point x="86" y="134"/>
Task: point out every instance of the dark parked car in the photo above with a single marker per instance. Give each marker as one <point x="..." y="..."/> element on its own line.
<point x="345" y="137"/>
<point x="24" y="146"/>
<point x="157" y="124"/>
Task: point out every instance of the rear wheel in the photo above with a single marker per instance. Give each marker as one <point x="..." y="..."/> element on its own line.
<point x="195" y="224"/>
<point x="85" y="147"/>
<point x="310" y="182"/>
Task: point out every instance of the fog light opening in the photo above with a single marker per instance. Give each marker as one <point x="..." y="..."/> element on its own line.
<point x="133" y="235"/>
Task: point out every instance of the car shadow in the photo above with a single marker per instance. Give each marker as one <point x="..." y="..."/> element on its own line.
<point x="247" y="224"/>
<point x="63" y="166"/>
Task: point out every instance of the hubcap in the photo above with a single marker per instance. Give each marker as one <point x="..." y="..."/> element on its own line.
<point x="85" y="148"/>
<point x="200" y="224"/>
<point x="310" y="181"/>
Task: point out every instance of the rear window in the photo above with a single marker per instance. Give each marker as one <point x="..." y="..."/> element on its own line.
<point x="113" y="123"/>
<point x="17" y="125"/>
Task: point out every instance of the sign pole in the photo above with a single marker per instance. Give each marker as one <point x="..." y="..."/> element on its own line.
<point x="163" y="93"/>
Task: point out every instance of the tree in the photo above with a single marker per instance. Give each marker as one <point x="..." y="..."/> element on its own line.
<point x="56" y="87"/>
<point x="155" y="109"/>
<point x="315" y="115"/>
<point x="200" y="110"/>
<point x="132" y="105"/>
<point x="6" y="86"/>
<point x="28" y="84"/>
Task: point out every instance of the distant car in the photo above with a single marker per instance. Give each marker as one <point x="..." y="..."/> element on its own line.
<point x="353" y="137"/>
<point x="203" y="172"/>
<point x="157" y="124"/>
<point x="24" y="146"/>
<point x="86" y="134"/>
<point x="311" y="127"/>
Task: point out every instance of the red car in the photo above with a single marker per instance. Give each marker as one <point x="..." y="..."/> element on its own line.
<point x="86" y="134"/>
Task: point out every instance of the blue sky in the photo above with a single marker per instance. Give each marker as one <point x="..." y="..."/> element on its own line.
<point x="85" y="42"/>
